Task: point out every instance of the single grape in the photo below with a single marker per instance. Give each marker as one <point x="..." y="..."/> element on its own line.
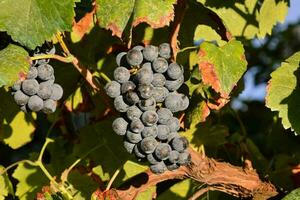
<point x="149" y="118"/>
<point x="121" y="59"/>
<point x="134" y="57"/>
<point x="119" y="126"/>
<point x="174" y="124"/>
<point x="148" y="145"/>
<point x="164" y="115"/>
<point x="35" y="103"/>
<point x="21" y="98"/>
<point x="127" y="86"/>
<point x="131" y="98"/>
<point x="138" y="47"/>
<point x="138" y="152"/>
<point x="160" y="94"/>
<point x="120" y="104"/>
<point x="133" y="113"/>
<point x="147" y="104"/>
<point x="173" y="102"/>
<point x="152" y="159"/>
<point x="174" y="71"/>
<point x="184" y="158"/>
<point x="45" y="91"/>
<point x="129" y="146"/>
<point x="30" y="87"/>
<point x="164" y="50"/>
<point x="113" y="89"/>
<point x="163" y="132"/>
<point x="150" y="131"/>
<point x="145" y="74"/>
<point x="145" y="91"/>
<point x="17" y="85"/>
<point x="174" y="156"/>
<point x="50" y="82"/>
<point x="45" y="72"/>
<point x="185" y="102"/>
<point x="136" y="126"/>
<point x="180" y="144"/>
<point x="32" y="73"/>
<point x="159" y="80"/>
<point x="133" y="137"/>
<point x="160" y="65"/>
<point x="49" y="106"/>
<point x="172" y="135"/>
<point x="158" y="168"/>
<point x="57" y="92"/>
<point x="172" y="167"/>
<point x="150" y="53"/>
<point x="162" y="151"/>
<point x="174" y="85"/>
<point x="121" y="74"/>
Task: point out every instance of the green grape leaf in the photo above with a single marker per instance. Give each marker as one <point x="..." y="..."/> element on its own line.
<point x="113" y="155"/>
<point x="31" y="180"/>
<point x="5" y="185"/>
<point x="14" y="63"/>
<point x="207" y="135"/>
<point x="31" y="22"/>
<point x="247" y="18"/>
<point x="147" y="194"/>
<point x="16" y="127"/>
<point x="222" y="67"/>
<point x="179" y="191"/>
<point x="117" y="14"/>
<point x="19" y="131"/>
<point x="208" y="34"/>
<point x="83" y="185"/>
<point x="294" y="195"/>
<point x="283" y="92"/>
<point x="271" y="13"/>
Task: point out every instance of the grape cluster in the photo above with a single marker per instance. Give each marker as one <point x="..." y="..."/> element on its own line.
<point x="145" y="93"/>
<point x="38" y="92"/>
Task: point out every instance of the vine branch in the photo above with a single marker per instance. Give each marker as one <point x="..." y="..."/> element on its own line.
<point x="220" y="176"/>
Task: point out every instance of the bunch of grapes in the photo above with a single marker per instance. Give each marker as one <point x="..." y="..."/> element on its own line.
<point x="145" y="93"/>
<point x="38" y="92"/>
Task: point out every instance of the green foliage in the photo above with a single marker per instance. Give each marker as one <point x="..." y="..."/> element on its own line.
<point x="16" y="128"/>
<point x="294" y="195"/>
<point x="5" y="185"/>
<point x="31" y="180"/>
<point x="248" y="19"/>
<point x="283" y="92"/>
<point x="31" y="22"/>
<point x="14" y="63"/>
<point x="116" y="15"/>
<point x="222" y="67"/>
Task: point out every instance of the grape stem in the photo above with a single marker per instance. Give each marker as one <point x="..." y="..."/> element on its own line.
<point x="40" y="164"/>
<point x="112" y="179"/>
<point x="105" y="77"/>
<point x="68" y="59"/>
<point x="64" y="176"/>
<point x="88" y="76"/>
<point x="17" y="163"/>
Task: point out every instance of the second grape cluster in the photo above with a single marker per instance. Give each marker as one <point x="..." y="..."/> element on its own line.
<point x="145" y="93"/>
